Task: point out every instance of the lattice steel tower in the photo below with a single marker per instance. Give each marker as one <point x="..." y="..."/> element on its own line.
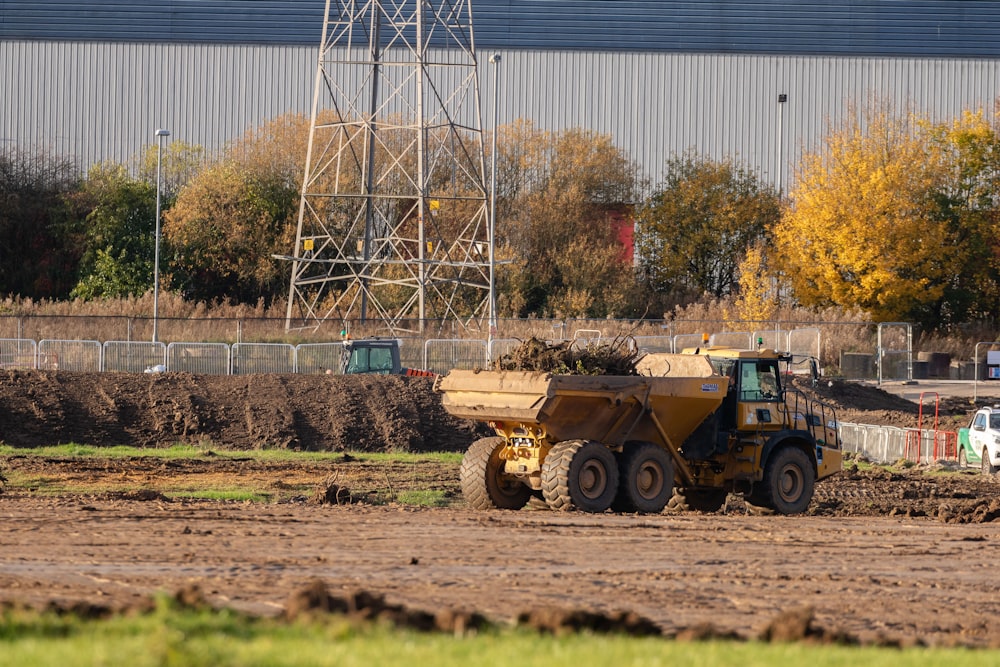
<point x="393" y="224"/>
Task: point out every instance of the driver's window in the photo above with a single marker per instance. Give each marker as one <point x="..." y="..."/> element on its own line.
<point x="980" y="421"/>
<point x="758" y="382"/>
<point x="381" y="360"/>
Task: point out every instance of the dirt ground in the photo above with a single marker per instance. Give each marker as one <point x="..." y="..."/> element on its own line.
<point x="881" y="556"/>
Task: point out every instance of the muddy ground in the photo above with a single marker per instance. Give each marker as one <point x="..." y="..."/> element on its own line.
<point x="888" y="556"/>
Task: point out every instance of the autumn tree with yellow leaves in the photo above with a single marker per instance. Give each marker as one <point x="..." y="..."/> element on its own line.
<point x="897" y="216"/>
<point x="864" y="228"/>
<point x="970" y="205"/>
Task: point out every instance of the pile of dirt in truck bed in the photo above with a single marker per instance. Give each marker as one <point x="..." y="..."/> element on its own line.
<point x="614" y="357"/>
<point x="307" y="412"/>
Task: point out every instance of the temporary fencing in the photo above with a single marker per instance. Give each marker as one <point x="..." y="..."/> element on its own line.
<point x="889" y="444"/>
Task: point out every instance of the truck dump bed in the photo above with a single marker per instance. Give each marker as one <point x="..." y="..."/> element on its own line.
<point x="582" y="407"/>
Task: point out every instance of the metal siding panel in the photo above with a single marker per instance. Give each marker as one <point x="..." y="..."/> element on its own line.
<point x="99" y="101"/>
<point x="968" y="28"/>
<point x="103" y="101"/>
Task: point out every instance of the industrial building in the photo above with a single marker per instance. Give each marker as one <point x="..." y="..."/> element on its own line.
<point x="756" y="80"/>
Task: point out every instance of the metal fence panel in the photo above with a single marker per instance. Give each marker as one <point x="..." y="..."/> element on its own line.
<point x="501" y="346"/>
<point x="18" y="353"/>
<point x="924" y="445"/>
<point x="804" y="342"/>
<point x="69" y="355"/>
<point x="741" y="340"/>
<point x="683" y="341"/>
<point x="130" y="356"/>
<point x="653" y="344"/>
<point x="442" y="355"/>
<point x="775" y="339"/>
<point x="411" y="352"/>
<point x="253" y="358"/>
<point x="882" y="444"/>
<point x="318" y="358"/>
<point x="207" y="358"/>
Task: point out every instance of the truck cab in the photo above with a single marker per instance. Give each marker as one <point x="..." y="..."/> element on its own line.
<point x="980" y="441"/>
<point x="758" y="404"/>
<point x="375" y="356"/>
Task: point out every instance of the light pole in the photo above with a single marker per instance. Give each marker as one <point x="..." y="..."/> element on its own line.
<point x="782" y="98"/>
<point x="160" y="134"/>
<point x="495" y="61"/>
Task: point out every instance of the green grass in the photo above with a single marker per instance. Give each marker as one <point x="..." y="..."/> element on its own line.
<point x="193" y="452"/>
<point x="217" y="488"/>
<point x="221" y="638"/>
<point x="232" y="495"/>
<point x="425" y="498"/>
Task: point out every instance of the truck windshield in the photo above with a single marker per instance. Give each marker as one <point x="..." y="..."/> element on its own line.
<point x="758" y="381"/>
<point x="995" y="420"/>
<point x="370" y="360"/>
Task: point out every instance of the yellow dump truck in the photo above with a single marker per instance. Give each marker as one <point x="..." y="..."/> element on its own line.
<point x="689" y="430"/>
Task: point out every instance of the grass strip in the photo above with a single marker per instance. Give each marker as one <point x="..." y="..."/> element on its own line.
<point x="170" y="636"/>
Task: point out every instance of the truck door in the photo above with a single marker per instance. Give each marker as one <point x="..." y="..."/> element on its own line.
<point x="977" y="433"/>
<point x="759" y="394"/>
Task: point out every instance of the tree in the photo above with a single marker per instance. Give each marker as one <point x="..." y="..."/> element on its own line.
<point x="864" y="228"/>
<point x="41" y="211"/>
<point x="223" y="230"/>
<point x="119" y="238"/>
<point x="230" y="219"/>
<point x="695" y="230"/>
<point x="970" y="206"/>
<point x="757" y="299"/>
<point x="558" y="194"/>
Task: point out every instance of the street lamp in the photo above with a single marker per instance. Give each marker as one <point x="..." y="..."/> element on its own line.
<point x="160" y="134"/>
<point x="782" y="98"/>
<point x="495" y="61"/>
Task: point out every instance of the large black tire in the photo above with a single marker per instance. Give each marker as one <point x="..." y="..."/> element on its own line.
<point x="484" y="487"/>
<point x="789" y="480"/>
<point x="645" y="479"/>
<point x="988" y="468"/>
<point x="698" y="500"/>
<point x="579" y="474"/>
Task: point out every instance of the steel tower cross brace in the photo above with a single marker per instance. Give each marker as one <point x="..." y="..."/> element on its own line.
<point x="393" y="221"/>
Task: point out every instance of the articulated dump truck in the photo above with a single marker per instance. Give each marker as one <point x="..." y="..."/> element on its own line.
<point x="687" y="431"/>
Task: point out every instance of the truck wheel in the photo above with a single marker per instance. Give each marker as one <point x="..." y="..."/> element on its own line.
<point x="988" y="468"/>
<point x="963" y="459"/>
<point x="789" y="479"/>
<point x="484" y="486"/>
<point x="698" y="500"/>
<point x="645" y="479"/>
<point x="579" y="474"/>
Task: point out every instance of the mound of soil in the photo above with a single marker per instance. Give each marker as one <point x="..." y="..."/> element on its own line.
<point x="865" y="404"/>
<point x="307" y="412"/>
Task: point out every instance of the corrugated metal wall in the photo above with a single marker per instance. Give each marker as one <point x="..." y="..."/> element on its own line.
<point x="100" y="101"/>
<point x="944" y="28"/>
